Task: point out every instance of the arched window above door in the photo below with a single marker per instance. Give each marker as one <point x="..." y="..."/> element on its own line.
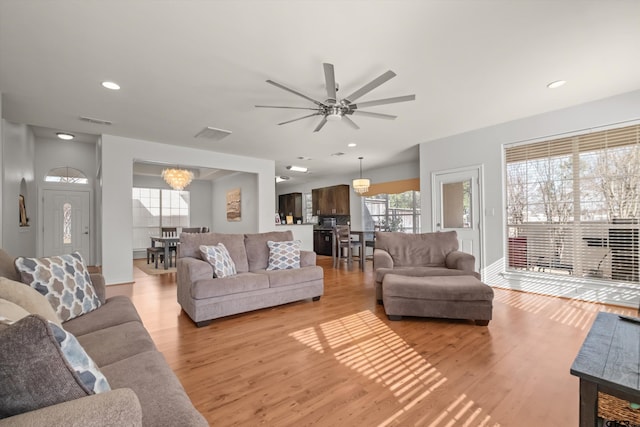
<point x="66" y="175"/>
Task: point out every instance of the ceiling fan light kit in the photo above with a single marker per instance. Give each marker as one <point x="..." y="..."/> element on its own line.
<point x="336" y="109"/>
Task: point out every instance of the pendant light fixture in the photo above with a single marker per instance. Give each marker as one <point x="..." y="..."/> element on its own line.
<point x="361" y="185"/>
<point x="178" y="179"/>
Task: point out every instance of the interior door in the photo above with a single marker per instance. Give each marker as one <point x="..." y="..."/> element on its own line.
<point x="457" y="206"/>
<point x="66" y="226"/>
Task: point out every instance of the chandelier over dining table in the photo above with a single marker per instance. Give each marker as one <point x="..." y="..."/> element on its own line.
<point x="361" y="185"/>
<point x="178" y="179"/>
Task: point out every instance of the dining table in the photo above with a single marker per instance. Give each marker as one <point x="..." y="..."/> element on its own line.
<point x="167" y="243"/>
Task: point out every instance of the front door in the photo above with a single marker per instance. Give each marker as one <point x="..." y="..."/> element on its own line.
<point x="457" y="206"/>
<point x="66" y="223"/>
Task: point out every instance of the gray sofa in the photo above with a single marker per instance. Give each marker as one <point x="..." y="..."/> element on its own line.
<point x="144" y="390"/>
<point x="419" y="255"/>
<point x="205" y="297"/>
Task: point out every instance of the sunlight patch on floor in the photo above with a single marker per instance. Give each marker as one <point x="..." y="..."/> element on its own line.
<point x="367" y="345"/>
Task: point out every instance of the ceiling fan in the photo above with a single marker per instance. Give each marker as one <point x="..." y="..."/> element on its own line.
<point x="334" y="109"/>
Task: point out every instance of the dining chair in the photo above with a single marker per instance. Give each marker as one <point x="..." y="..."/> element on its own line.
<point x="191" y="230"/>
<point x="342" y="240"/>
<point x="173" y="247"/>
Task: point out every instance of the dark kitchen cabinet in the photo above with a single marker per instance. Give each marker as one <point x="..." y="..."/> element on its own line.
<point x="322" y="240"/>
<point x="331" y="200"/>
<point x="290" y="204"/>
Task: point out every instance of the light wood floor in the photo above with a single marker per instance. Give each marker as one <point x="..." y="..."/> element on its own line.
<point x="340" y="362"/>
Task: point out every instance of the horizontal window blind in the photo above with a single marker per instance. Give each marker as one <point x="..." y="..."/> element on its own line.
<point x="573" y="205"/>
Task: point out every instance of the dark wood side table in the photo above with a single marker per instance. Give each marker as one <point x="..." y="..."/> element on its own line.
<point x="609" y="362"/>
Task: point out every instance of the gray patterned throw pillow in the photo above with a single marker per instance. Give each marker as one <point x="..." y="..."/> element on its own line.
<point x="79" y="360"/>
<point x="284" y="255"/>
<point x="64" y="280"/>
<point x="218" y="256"/>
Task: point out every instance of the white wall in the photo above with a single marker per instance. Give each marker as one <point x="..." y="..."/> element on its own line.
<point x="200" y="196"/>
<point x="18" y="148"/>
<point x="248" y="184"/>
<point x="53" y="153"/>
<point x="1" y="165"/>
<point x="484" y="146"/>
<point x="385" y="174"/>
<point x="118" y="155"/>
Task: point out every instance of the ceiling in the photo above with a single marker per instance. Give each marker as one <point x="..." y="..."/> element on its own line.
<point x="184" y="66"/>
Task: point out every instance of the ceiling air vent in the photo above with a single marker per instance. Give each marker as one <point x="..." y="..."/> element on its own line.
<point x="213" y="133"/>
<point x="96" y="121"/>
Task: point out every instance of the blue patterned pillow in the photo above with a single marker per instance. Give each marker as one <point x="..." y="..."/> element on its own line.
<point x="284" y="255"/>
<point x="80" y="361"/>
<point x="64" y="280"/>
<point x="218" y="256"/>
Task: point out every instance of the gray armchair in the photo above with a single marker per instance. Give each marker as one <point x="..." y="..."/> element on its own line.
<point x="418" y="255"/>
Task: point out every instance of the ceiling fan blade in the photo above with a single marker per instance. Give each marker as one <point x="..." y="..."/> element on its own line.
<point x="292" y="108"/>
<point x="350" y="122"/>
<point x="384" y="101"/>
<point x="299" y="118"/>
<point x="321" y="124"/>
<point x="370" y="86"/>
<point x="330" y="82"/>
<point x="376" y="115"/>
<point x="288" y="89"/>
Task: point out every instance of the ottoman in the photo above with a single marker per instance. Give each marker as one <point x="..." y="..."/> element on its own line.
<point x="450" y="297"/>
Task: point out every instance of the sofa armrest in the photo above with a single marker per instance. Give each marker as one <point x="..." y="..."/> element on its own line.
<point x="114" y="408"/>
<point x="97" y="280"/>
<point x="307" y="258"/>
<point x="458" y="260"/>
<point x="191" y="270"/>
<point x="382" y="259"/>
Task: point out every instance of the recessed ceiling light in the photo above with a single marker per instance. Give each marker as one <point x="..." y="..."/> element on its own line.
<point x="304" y="158"/>
<point x="556" y="84"/>
<point x="111" y="85"/>
<point x="297" y="168"/>
<point x="338" y="154"/>
<point x="351" y="144"/>
<point x="65" y="136"/>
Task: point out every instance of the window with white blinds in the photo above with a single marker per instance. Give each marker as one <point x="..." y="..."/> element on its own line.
<point x="573" y="205"/>
<point x="154" y="208"/>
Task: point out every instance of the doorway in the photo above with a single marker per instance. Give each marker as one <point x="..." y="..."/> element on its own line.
<point x="66" y="223"/>
<point x="457" y="206"/>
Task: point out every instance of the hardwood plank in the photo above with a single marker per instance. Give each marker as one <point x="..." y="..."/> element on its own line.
<point x="340" y="361"/>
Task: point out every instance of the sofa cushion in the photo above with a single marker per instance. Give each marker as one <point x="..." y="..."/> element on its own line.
<point x="426" y="249"/>
<point x="257" y="249"/>
<point x="162" y="398"/>
<point x="11" y="311"/>
<point x="279" y="278"/>
<point x="219" y="258"/>
<point x="419" y="272"/>
<point x="27" y="298"/>
<point x="115" y="311"/>
<point x="284" y="255"/>
<point x="64" y="280"/>
<point x="243" y="282"/>
<point x="8" y="267"/>
<point x="118" y="342"/>
<point x="33" y="370"/>
<point x="190" y="247"/>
